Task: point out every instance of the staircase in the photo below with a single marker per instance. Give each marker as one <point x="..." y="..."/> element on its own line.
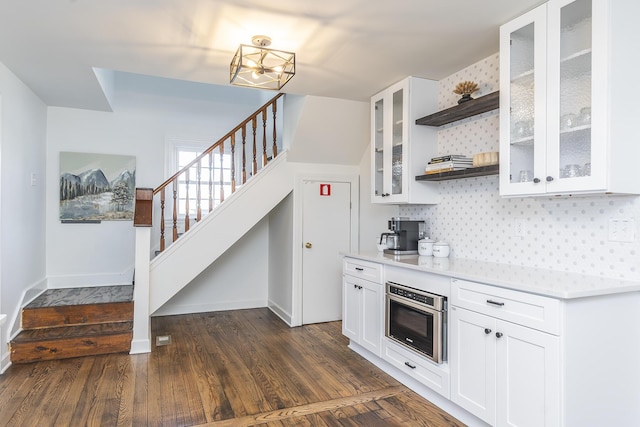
<point x="64" y="323"/>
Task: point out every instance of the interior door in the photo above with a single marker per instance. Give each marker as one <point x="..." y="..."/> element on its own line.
<point x="326" y="231"/>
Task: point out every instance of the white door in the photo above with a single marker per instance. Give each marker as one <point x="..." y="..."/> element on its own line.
<point x="326" y="231"/>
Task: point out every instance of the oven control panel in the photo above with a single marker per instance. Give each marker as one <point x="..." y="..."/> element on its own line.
<point x="434" y="301"/>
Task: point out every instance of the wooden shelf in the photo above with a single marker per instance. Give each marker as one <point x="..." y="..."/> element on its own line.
<point x="466" y="173"/>
<point x="462" y="111"/>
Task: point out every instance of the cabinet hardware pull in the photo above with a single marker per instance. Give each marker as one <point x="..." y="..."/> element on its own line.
<point x="549" y="178"/>
<point x="359" y="287"/>
<point x="410" y="365"/>
<point x="498" y="334"/>
<point x="355" y="286"/>
<point x="499" y="304"/>
<point x="536" y="180"/>
<point x="359" y="268"/>
<point x="487" y="331"/>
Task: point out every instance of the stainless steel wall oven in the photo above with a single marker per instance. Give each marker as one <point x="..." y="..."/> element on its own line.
<point x="417" y="320"/>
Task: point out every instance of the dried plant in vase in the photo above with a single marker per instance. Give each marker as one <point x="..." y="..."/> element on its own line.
<point x="465" y="89"/>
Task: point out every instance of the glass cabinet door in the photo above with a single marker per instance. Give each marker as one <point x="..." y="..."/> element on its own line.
<point x="570" y="74"/>
<point x="397" y="141"/>
<point x="378" y="149"/>
<point x="523" y="123"/>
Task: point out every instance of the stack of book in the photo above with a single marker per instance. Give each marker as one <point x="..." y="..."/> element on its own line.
<point x="450" y="162"/>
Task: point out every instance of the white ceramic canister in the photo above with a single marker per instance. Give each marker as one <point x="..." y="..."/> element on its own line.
<point x="441" y="249"/>
<point x="425" y="247"/>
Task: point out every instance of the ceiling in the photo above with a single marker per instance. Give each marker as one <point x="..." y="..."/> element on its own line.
<point x="347" y="49"/>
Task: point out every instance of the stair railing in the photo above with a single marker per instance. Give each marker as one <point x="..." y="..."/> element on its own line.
<point x="216" y="173"/>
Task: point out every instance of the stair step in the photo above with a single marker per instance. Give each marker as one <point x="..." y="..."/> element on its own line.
<point x="76" y="306"/>
<point x="71" y="341"/>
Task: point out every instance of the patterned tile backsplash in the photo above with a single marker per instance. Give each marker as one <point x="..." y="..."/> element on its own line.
<point x="560" y="233"/>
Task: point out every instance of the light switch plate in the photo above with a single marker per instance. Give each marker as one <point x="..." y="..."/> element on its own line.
<point x="622" y="230"/>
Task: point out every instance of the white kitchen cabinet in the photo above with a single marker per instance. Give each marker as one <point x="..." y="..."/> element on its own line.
<point x="363" y="305"/>
<point x="504" y="373"/>
<point x="400" y="149"/>
<point x="567" y="122"/>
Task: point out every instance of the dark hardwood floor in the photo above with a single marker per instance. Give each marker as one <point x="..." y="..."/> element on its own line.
<point x="232" y="368"/>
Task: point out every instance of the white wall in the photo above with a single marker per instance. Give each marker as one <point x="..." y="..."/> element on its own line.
<point x="326" y="130"/>
<point x="236" y="280"/>
<point x="22" y="217"/>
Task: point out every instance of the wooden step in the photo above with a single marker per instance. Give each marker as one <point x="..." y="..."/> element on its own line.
<point x="71" y="341"/>
<point x="76" y="306"/>
<point x="74" y="322"/>
<point x="43" y="317"/>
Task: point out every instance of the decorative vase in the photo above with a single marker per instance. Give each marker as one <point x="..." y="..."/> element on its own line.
<point x="465" y="97"/>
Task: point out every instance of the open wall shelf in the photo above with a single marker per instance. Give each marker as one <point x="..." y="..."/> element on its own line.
<point x="462" y="111"/>
<point x="466" y="173"/>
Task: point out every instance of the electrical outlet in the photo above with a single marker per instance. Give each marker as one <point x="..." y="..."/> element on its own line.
<point x="520" y="227"/>
<point x="622" y="230"/>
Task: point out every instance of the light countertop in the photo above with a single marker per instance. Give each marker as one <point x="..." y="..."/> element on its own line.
<point x="557" y="284"/>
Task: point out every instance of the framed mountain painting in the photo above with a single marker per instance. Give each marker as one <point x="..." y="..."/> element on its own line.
<point x="96" y="187"/>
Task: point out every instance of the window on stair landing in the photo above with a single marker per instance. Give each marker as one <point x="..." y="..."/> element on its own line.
<point x="211" y="180"/>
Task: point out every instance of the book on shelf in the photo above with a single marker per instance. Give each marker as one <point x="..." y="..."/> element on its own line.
<point x="448" y="169"/>
<point x="449" y="164"/>
<point x="449" y="157"/>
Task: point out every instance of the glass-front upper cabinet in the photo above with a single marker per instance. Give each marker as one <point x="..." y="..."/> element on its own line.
<point x="523" y="89"/>
<point x="556" y="116"/>
<point x="400" y="148"/>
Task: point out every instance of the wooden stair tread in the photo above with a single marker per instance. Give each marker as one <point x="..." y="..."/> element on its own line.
<point x="82" y="296"/>
<point x="76" y="331"/>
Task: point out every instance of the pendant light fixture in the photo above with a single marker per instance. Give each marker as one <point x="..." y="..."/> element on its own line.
<point x="262" y="68"/>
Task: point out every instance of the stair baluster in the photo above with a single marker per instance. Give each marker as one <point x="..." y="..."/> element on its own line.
<point x="198" y="189"/>
<point x="264" y="137"/>
<point x="175" y="210"/>
<point x="221" y="173"/>
<point x="244" y="154"/>
<point x="275" y="135"/>
<point x="162" y="220"/>
<point x="186" y="201"/>
<point x="233" y="163"/>
<point x="254" y="167"/>
<point x="210" y="178"/>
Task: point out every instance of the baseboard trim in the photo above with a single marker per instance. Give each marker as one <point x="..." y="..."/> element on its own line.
<point x="5" y="362"/>
<point x="204" y="308"/>
<point x="140" y="347"/>
<point x="91" y="280"/>
<point x="280" y="312"/>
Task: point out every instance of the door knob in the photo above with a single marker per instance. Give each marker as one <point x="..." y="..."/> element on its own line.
<point x="307" y="245"/>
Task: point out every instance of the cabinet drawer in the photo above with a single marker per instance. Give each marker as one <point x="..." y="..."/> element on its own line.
<point x="364" y="269"/>
<point x="434" y="376"/>
<point x="534" y="311"/>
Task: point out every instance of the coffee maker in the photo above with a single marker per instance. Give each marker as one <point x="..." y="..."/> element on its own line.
<point x="403" y="236"/>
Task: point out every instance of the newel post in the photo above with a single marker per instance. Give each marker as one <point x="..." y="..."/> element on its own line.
<point x="142" y="221"/>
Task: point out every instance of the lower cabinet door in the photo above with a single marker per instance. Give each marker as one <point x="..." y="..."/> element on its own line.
<point x="472" y="360"/>
<point x="528" y="377"/>
<point x="372" y="316"/>
<point x="351" y="305"/>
